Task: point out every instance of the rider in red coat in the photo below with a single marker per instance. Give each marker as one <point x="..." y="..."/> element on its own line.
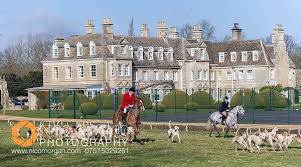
<point x="128" y="101"/>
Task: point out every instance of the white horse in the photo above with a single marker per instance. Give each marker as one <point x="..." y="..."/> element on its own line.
<point x="231" y="121"/>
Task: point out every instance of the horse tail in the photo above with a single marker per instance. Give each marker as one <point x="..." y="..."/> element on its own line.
<point x="169" y="124"/>
<point x="208" y="126"/>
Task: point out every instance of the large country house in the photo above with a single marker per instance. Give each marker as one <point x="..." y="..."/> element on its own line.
<point x="97" y="62"/>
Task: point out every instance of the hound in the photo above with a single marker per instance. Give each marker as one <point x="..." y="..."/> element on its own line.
<point x="240" y="139"/>
<point x="256" y="140"/>
<point x="173" y="132"/>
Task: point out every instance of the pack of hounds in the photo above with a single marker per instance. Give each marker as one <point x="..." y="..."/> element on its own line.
<point x="275" y="140"/>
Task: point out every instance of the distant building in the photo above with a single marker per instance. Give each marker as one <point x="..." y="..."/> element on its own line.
<point x="96" y="62"/>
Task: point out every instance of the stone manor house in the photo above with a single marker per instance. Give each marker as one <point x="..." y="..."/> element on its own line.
<point x="96" y="62"/>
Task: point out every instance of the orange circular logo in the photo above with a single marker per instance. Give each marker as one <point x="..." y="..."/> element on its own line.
<point x="16" y="133"/>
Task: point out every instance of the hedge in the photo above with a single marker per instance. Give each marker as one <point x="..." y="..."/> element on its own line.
<point x="88" y="108"/>
<point x="201" y="98"/>
<point x="247" y="99"/>
<point x="108" y="101"/>
<point x="169" y="99"/>
<point x="146" y="101"/>
<point x="79" y="99"/>
<point x="276" y="98"/>
<point x="98" y="99"/>
<point x="192" y="106"/>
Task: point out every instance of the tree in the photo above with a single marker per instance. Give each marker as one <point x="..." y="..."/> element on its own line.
<point x="131" y="27"/>
<point x="208" y="30"/>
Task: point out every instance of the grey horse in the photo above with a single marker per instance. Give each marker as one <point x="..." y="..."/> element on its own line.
<point x="231" y="121"/>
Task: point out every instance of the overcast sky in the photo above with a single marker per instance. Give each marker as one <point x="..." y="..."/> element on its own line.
<point x="257" y="18"/>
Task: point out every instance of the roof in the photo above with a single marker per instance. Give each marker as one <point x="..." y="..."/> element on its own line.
<point x="237" y="46"/>
<point x="65" y="87"/>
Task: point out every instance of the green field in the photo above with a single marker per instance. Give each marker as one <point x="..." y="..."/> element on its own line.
<point x="197" y="149"/>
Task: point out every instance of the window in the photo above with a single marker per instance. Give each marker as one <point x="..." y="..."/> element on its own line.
<point x="200" y="75"/>
<point x="55" y="72"/>
<point x="92" y="48"/>
<point x="80" y="71"/>
<point x="93" y="71"/>
<point x="68" y="72"/>
<point x="140" y="53"/>
<point x="165" y="75"/>
<point x="249" y="74"/>
<point x="160" y="53"/>
<point x="244" y="56"/>
<point x="233" y="56"/>
<point x="228" y="75"/>
<point x="272" y="74"/>
<point x="150" y="53"/>
<point x="205" y="75"/>
<point x="145" y="75"/>
<point x="67" y="50"/>
<point x="234" y="75"/>
<point x="119" y="69"/>
<point x="240" y="74"/>
<point x="131" y="50"/>
<point x="136" y="75"/>
<point x="221" y="56"/>
<point x="157" y="94"/>
<point x="55" y="51"/>
<point x="79" y="48"/>
<point x="219" y="75"/>
<point x="112" y="70"/>
<point x="123" y="50"/>
<point x="155" y="77"/>
<point x="115" y="49"/>
<point x="196" y="52"/>
<point x="255" y="55"/>
<point x="175" y="76"/>
<point x="212" y="75"/>
<point x="170" y="53"/>
<point x="127" y="70"/>
<point x="192" y="75"/>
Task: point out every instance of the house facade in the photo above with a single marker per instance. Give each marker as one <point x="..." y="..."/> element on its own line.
<point x="97" y="62"/>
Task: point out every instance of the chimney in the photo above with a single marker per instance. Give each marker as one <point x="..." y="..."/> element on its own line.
<point x="236" y="32"/>
<point x="59" y="40"/>
<point x="144" y="31"/>
<point x="277" y="34"/>
<point x="173" y="33"/>
<point x="89" y="27"/>
<point x="162" y="29"/>
<point x="197" y="32"/>
<point x="108" y="27"/>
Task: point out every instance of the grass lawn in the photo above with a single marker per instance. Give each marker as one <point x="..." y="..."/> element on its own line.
<point x="197" y="149"/>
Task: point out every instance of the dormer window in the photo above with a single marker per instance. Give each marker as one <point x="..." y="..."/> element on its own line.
<point x="55" y="51"/>
<point x="67" y="50"/>
<point x="221" y="57"/>
<point x="150" y="53"/>
<point x="160" y="53"/>
<point x="244" y="56"/>
<point x="92" y="48"/>
<point x="131" y="50"/>
<point x="255" y="55"/>
<point x="79" y="47"/>
<point x="140" y="53"/>
<point x="233" y="56"/>
<point x="123" y="50"/>
<point x="195" y="52"/>
<point x="170" y="53"/>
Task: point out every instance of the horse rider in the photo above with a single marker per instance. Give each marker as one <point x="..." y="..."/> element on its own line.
<point x="224" y="109"/>
<point x="128" y="101"/>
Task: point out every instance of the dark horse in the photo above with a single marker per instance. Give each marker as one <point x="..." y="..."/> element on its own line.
<point x="132" y="118"/>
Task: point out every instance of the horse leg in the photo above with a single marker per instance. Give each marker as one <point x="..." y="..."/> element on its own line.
<point x="227" y="130"/>
<point x="210" y="124"/>
<point x="214" y="126"/>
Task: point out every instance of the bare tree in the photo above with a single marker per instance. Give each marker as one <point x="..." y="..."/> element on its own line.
<point x="131" y="27"/>
<point x="208" y="30"/>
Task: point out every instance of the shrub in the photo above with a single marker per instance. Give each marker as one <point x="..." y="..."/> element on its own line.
<point x="79" y="99"/>
<point x="274" y="97"/>
<point x="161" y="108"/>
<point x="247" y="99"/>
<point x="88" y="108"/>
<point x="192" y="106"/>
<point x="202" y="99"/>
<point x="108" y="101"/>
<point x="99" y="98"/>
<point x="278" y="88"/>
<point x="25" y="107"/>
<point x="169" y="100"/>
<point x="146" y="101"/>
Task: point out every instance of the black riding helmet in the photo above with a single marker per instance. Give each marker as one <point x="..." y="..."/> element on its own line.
<point x="226" y="97"/>
<point x="132" y="89"/>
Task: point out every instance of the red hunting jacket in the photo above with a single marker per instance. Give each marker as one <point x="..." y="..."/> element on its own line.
<point x="128" y="100"/>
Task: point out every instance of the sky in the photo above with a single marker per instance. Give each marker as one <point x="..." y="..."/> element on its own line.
<point x="257" y="18"/>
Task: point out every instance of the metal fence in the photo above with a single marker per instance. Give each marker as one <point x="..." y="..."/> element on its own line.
<point x="262" y="106"/>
